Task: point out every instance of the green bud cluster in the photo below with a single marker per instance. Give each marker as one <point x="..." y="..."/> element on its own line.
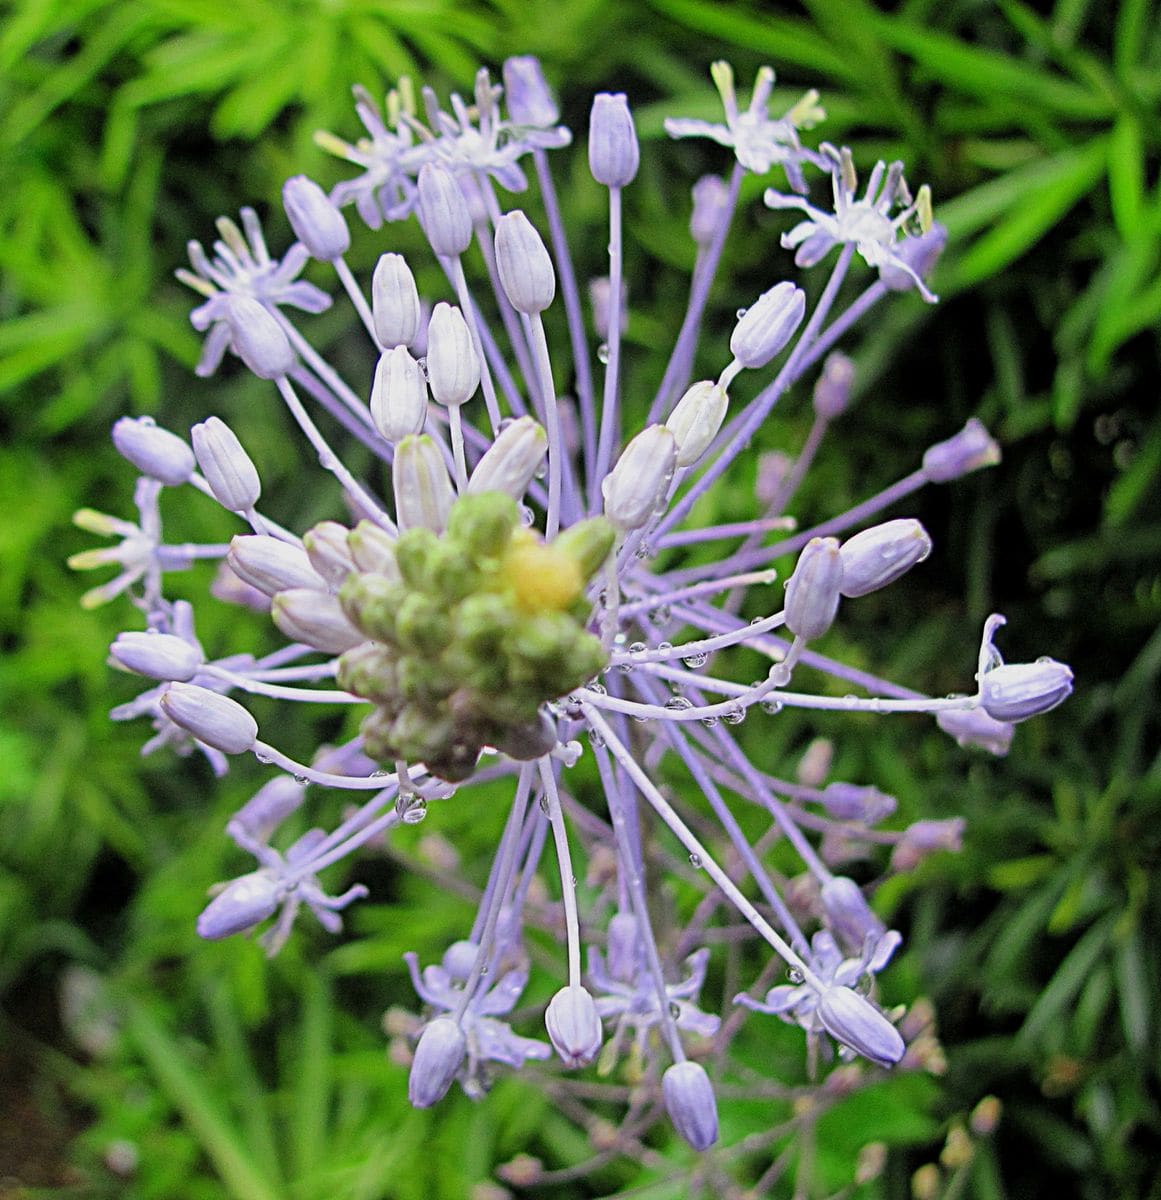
<point x="469" y="633"/>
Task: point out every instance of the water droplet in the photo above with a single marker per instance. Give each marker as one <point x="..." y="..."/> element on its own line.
<point x="599" y="689"/>
<point x="771" y="707"/>
<point x="380" y="774"/>
<point x="678" y="703"/>
<point x="423" y="367"/>
<point x="544" y="805"/>
<point x="301" y="779"/>
<point x="757" y="620"/>
<point x="779" y="675"/>
<point x="265" y="759"/>
<point x="674" y="1009"/>
<point x="741" y="313"/>
<point x="709" y="722"/>
<point x="735" y="714"/>
<point x="416" y="813"/>
<point x="794" y="975"/>
<point x="573" y="880"/>
<point x="695" y="861"/>
<point x="661" y="616"/>
<point x="664" y="647"/>
<point x="641" y="718"/>
<point x="643" y="551"/>
<point x="504" y="423"/>
<point x="595" y="739"/>
<point x="637" y="649"/>
<point x="484" y="969"/>
<point x="696" y="660"/>
<point x="527" y="516"/>
<point x="603" y="352"/>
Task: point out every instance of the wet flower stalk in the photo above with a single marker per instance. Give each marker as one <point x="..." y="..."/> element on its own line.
<point x="521" y="597"/>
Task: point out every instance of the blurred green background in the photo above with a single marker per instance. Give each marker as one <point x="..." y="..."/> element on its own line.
<point x="138" y="1062"/>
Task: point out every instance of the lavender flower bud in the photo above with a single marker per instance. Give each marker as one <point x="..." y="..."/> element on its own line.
<point x="257" y="338"/>
<point x="966" y="451"/>
<point x="926" y="837"/>
<point x="696" y="419"/>
<point x="574" y="1026"/>
<point x="453" y="370"/>
<point x="398" y="395"/>
<point x="153" y="451"/>
<point x="157" y="655"/>
<point x="527" y="95"/>
<point x="848" y="915"/>
<point x="850" y="802"/>
<point x="373" y="549"/>
<point x="270" y="805"/>
<point x="813" y="591"/>
<point x="774" y="469"/>
<point x="832" y="391"/>
<point x="214" y="719"/>
<point x="330" y="555"/>
<point x="316" y="220"/>
<point x="423" y="490"/>
<point x="600" y="294"/>
<point x="459" y="959"/>
<point x="525" y="268"/>
<point x="920" y="253"/>
<point x="271" y="565"/>
<point x="315" y="619"/>
<point x="1021" y="690"/>
<point x="244" y="903"/>
<point x="228" y="469"/>
<point x="635" y="489"/>
<point x="511" y="462"/>
<point x="856" y="1023"/>
<point x="690" y="1102"/>
<point x="880" y="555"/>
<point x="394" y="302"/>
<point x="438" y="1056"/>
<point x="624" y="947"/>
<point x="613" y="151"/>
<point x="443" y="211"/>
<point x="767" y="325"/>
<point x="973" y="727"/>
<point x="710" y="197"/>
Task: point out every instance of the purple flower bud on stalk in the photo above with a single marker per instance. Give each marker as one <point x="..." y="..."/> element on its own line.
<point x="856" y="1023"/>
<point x="767" y="325"/>
<point x="525" y="268"/>
<point x="270" y="805"/>
<point x="327" y="548"/>
<point x="832" y="391"/>
<point x="635" y="489"/>
<point x="453" y="370"/>
<point x="315" y="619"/>
<point x="850" y="802"/>
<point x="527" y="95"/>
<point x="423" y="490"/>
<point x="510" y="464"/>
<point x="973" y="727"/>
<point x="920" y="253"/>
<point x="696" y="419"/>
<point x="228" y="469"/>
<point x="438" y="1057"/>
<point x="1021" y="690"/>
<point x="373" y="549"/>
<point x="394" y="302"/>
<point x="153" y="451"/>
<point x="773" y="469"/>
<point x="443" y="211"/>
<point x="574" y="1026"/>
<point x="271" y="565"/>
<point x="710" y="196"/>
<point x="459" y="958"/>
<point x="613" y="151"/>
<point x="157" y="655"/>
<point x="214" y="719"/>
<point x="257" y="338"/>
<point x="600" y="293"/>
<point x="926" y="837"/>
<point x="848" y="915"/>
<point x="960" y="454"/>
<point x="690" y="1102"/>
<point x="813" y="591"/>
<point x="244" y="903"/>
<point x="624" y="947"/>
<point x="315" y="218"/>
<point x="398" y="395"/>
<point x="880" y="555"/>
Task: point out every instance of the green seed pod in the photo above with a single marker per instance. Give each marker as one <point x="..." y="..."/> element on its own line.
<point x="451" y="573"/>
<point x="371" y="603"/>
<point x="588" y="543"/>
<point x="420" y="626"/>
<point x="413" y="549"/>
<point x="482" y="524"/>
<point x="369" y="671"/>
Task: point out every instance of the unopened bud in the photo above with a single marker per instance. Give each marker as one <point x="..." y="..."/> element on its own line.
<point x="525" y="268"/>
<point x="636" y="488"/>
<point x="453" y="370"/>
<point x="157" y="655"/>
<point x="710" y="201"/>
<point x="848" y="915"/>
<point x="326" y="547"/>
<point x="967" y="451"/>
<point x="315" y="619"/>
<point x="270" y="805"/>
<point x="613" y="151"/>
<point x="926" y="837"/>
<point x="690" y="1102"/>
<point x="587" y="543"/>
<point x="153" y="451"/>
<point x="315" y="218"/>
<point x="212" y="718"/>
<point x="1018" y="691"/>
<point x="574" y="1026"/>
<point x="373" y="549"/>
<point x="973" y="727"/>
<point x="271" y="565"/>
<point x="696" y="419"/>
<point x="257" y="338"/>
<point x="920" y="253"/>
<point x="832" y="391"/>
<point x="228" y="469"/>
<point x="527" y="95"/>
<point x="813" y="591"/>
<point x="242" y="904"/>
<point x="398" y="395"/>
<point x="624" y="947"/>
<point x="880" y="555"/>
<point x="850" y="802"/>
<point x="423" y="489"/>
<point x="443" y="211"/>
<point x="855" y="1022"/>
<point x="985" y="1116"/>
<point x="600" y="297"/>
<point x="767" y="325"/>
<point x="511" y="462"/>
<point x="394" y="302"/>
<point x="438" y="1057"/>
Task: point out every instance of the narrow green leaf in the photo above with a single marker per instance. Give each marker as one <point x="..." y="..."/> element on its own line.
<point x="1129" y="491"/>
<point x="1133" y="991"/>
<point x="1127" y="175"/>
<point x="1070" y="977"/>
<point x="310" y="1107"/>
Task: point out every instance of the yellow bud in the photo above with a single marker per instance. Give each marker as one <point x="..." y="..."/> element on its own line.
<point x="542" y="578"/>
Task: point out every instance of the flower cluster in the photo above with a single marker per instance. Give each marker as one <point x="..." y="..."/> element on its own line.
<point x="527" y="582"/>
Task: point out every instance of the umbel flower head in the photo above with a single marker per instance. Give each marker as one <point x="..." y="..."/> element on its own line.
<point x="523" y="585"/>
